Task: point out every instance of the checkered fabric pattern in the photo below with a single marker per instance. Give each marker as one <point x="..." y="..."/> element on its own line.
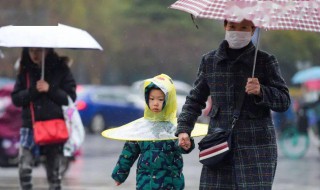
<point x="270" y="15"/>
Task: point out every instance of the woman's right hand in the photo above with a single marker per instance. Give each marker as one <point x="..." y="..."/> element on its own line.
<point x="184" y="141"/>
<point x="42" y="86"/>
<point x="117" y="183"/>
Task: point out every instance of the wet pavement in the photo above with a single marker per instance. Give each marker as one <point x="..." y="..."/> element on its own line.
<point x="92" y="170"/>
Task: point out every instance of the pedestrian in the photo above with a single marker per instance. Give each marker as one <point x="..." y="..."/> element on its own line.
<point x="224" y="74"/>
<point x="160" y="162"/>
<point x="47" y="96"/>
<point x="309" y="110"/>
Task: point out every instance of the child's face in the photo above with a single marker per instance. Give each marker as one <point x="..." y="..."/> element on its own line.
<point x="156" y="99"/>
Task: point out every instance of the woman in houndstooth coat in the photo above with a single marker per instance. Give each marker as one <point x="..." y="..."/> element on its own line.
<point x="224" y="74"/>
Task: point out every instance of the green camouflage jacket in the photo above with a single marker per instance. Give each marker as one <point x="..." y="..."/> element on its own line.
<point x="159" y="166"/>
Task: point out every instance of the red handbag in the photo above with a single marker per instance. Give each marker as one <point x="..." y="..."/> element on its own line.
<point x="50" y="131"/>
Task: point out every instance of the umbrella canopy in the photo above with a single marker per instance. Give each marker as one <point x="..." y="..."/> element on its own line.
<point x="271" y="15"/>
<point x="312" y="85"/>
<point x="303" y="76"/>
<point x="60" y="36"/>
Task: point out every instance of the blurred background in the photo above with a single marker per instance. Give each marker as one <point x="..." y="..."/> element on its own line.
<point x="144" y="38"/>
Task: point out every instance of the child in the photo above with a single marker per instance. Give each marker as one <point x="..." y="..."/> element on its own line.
<point x="160" y="162"/>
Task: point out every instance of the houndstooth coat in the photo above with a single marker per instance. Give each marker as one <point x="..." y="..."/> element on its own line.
<point x="253" y="159"/>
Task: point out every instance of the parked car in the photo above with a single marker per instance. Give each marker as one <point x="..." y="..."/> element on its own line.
<point x="10" y="123"/>
<point x="102" y="107"/>
<point x="4" y="81"/>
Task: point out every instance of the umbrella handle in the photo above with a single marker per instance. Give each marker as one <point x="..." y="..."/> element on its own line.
<point x="42" y="63"/>
<point x="256" y="52"/>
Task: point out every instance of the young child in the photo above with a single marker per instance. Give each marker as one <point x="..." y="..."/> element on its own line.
<point x="160" y="162"/>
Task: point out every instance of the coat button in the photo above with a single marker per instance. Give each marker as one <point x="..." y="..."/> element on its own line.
<point x="154" y="177"/>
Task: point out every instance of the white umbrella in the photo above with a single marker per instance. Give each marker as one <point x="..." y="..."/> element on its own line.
<point x="60" y="36"/>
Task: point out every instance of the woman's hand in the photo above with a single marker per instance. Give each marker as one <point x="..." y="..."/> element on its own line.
<point x="42" y="86"/>
<point x="253" y="86"/>
<point x="184" y="141"/>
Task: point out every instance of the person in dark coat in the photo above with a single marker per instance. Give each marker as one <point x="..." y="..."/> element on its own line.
<point x="224" y="74"/>
<point x="47" y="96"/>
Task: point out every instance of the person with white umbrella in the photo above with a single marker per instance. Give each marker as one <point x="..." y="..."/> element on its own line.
<point x="41" y="98"/>
<point x="44" y="80"/>
<point x="225" y="74"/>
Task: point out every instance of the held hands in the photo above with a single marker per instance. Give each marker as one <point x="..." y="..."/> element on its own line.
<point x="117" y="183"/>
<point x="42" y="86"/>
<point x="184" y="141"/>
<point x="253" y="86"/>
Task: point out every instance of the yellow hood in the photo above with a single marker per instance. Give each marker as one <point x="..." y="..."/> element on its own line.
<point x="164" y="82"/>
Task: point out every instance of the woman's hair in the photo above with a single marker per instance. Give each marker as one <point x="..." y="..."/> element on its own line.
<point x="225" y="22"/>
<point x="25" y="62"/>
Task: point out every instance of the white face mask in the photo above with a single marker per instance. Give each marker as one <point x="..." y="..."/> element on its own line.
<point x="237" y="39"/>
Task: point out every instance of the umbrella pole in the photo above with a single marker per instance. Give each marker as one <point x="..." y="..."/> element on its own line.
<point x="256" y="52"/>
<point x="42" y="64"/>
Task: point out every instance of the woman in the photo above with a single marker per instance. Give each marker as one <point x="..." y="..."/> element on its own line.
<point x="47" y="96"/>
<point x="223" y="75"/>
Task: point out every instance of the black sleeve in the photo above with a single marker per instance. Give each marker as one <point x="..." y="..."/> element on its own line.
<point x="275" y="94"/>
<point x="195" y="102"/>
<point x="59" y="93"/>
<point x="21" y="95"/>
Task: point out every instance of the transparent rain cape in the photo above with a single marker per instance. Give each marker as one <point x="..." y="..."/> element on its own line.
<point x="155" y="126"/>
<point x="145" y="130"/>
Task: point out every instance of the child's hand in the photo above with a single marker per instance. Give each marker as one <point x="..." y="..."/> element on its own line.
<point x="117" y="183"/>
<point x="184" y="141"/>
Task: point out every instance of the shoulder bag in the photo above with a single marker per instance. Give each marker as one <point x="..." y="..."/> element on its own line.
<point x="215" y="146"/>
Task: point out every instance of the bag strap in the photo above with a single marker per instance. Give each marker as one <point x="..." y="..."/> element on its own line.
<point x="31" y="104"/>
<point x="237" y="110"/>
